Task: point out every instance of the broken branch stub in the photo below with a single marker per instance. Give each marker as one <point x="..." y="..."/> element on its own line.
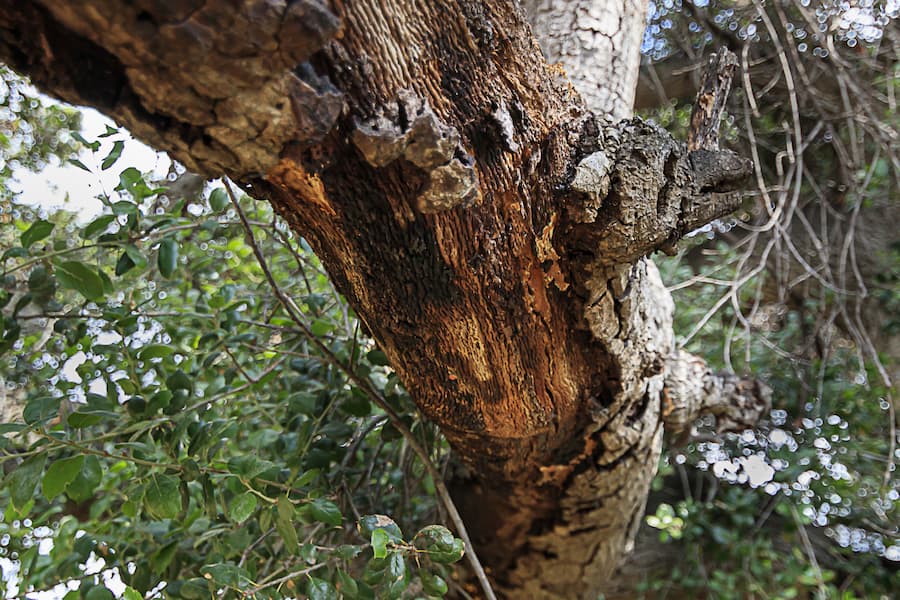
<point x="644" y="191"/>
<point x="692" y="389"/>
<point x="649" y="194"/>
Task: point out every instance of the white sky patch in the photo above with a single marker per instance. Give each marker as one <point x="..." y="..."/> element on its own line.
<point x="68" y="371"/>
<point x="758" y="471"/>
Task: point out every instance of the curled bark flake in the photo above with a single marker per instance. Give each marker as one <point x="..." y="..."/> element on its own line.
<point x="592" y="179"/>
<point x="411" y="130"/>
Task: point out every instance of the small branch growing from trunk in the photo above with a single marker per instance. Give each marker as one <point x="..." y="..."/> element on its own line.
<point x="692" y="389"/>
<point x="640" y="161"/>
<point x="644" y="191"/>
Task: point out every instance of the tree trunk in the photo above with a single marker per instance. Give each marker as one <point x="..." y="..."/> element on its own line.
<point x="488" y="229"/>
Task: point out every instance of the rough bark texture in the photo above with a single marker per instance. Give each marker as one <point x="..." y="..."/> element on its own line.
<point x="485" y="226"/>
<point x="598" y="43"/>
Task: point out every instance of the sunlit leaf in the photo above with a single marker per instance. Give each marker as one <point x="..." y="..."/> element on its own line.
<point x="38" y="231"/>
<point x="22" y="481"/>
<point x="162" y="496"/>
<point x="81" y="278"/>
<point x="242" y="507"/>
<point x="113" y="155"/>
<point x="60" y="474"/>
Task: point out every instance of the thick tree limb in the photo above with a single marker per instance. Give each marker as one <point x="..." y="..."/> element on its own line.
<point x="220" y="85"/>
<point x="425" y="153"/>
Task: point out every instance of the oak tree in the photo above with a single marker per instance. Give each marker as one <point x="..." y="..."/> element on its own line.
<point x="469" y="175"/>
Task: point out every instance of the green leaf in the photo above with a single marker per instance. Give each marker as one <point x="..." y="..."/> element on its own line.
<point x="284" y="524"/>
<point x="248" y="466"/>
<point x="94" y="146"/>
<point x="433" y="584"/>
<point x="40" y="409"/>
<point x="11" y="428"/>
<point x="195" y="588"/>
<point x="319" y="589"/>
<point x="167" y="258"/>
<point x="326" y="511"/>
<point x="113" y="155"/>
<point x="155" y="351"/>
<point x="179" y="381"/>
<point x="397" y="575"/>
<point x="81" y="419"/>
<point x="377" y="357"/>
<point x="162" y="558"/>
<point x="60" y="474"/>
<point x="139" y="260"/>
<point x="99" y="592"/>
<point x="369" y="523"/>
<point x="346" y="585"/>
<point x="85" y="483"/>
<point x="242" y="507"/>
<point x="321" y="327"/>
<point x="15" y="252"/>
<point x="124" y="264"/>
<point x="303" y="402"/>
<point x="38" y="231"/>
<point x="440" y="544"/>
<point x="124" y="207"/>
<point x="162" y="496"/>
<point x="380" y="539"/>
<point x="375" y="571"/>
<point x="79" y="277"/>
<point x="218" y="200"/>
<point x="24" y="479"/>
<point x="357" y="404"/>
<point x="97" y="226"/>
<point x="224" y="573"/>
<point x="79" y="164"/>
<point x="131" y="594"/>
<point x="347" y="551"/>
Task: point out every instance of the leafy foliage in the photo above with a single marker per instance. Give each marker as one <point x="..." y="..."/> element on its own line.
<point x="32" y="132"/>
<point x="180" y="429"/>
<point x="805" y="506"/>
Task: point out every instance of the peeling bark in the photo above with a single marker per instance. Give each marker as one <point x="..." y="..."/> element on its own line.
<point x="485" y="226"/>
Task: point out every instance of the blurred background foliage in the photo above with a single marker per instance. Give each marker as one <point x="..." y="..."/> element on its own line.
<point x="168" y="425"/>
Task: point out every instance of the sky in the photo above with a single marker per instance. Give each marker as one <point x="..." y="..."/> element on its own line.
<point x="65" y="186"/>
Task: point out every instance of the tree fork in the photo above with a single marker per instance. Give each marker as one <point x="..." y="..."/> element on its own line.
<point x="427" y="153"/>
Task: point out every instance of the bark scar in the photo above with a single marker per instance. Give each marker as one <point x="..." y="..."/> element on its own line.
<point x="411" y="130"/>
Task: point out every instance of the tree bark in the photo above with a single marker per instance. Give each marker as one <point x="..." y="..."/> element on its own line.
<point x="486" y="227"/>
